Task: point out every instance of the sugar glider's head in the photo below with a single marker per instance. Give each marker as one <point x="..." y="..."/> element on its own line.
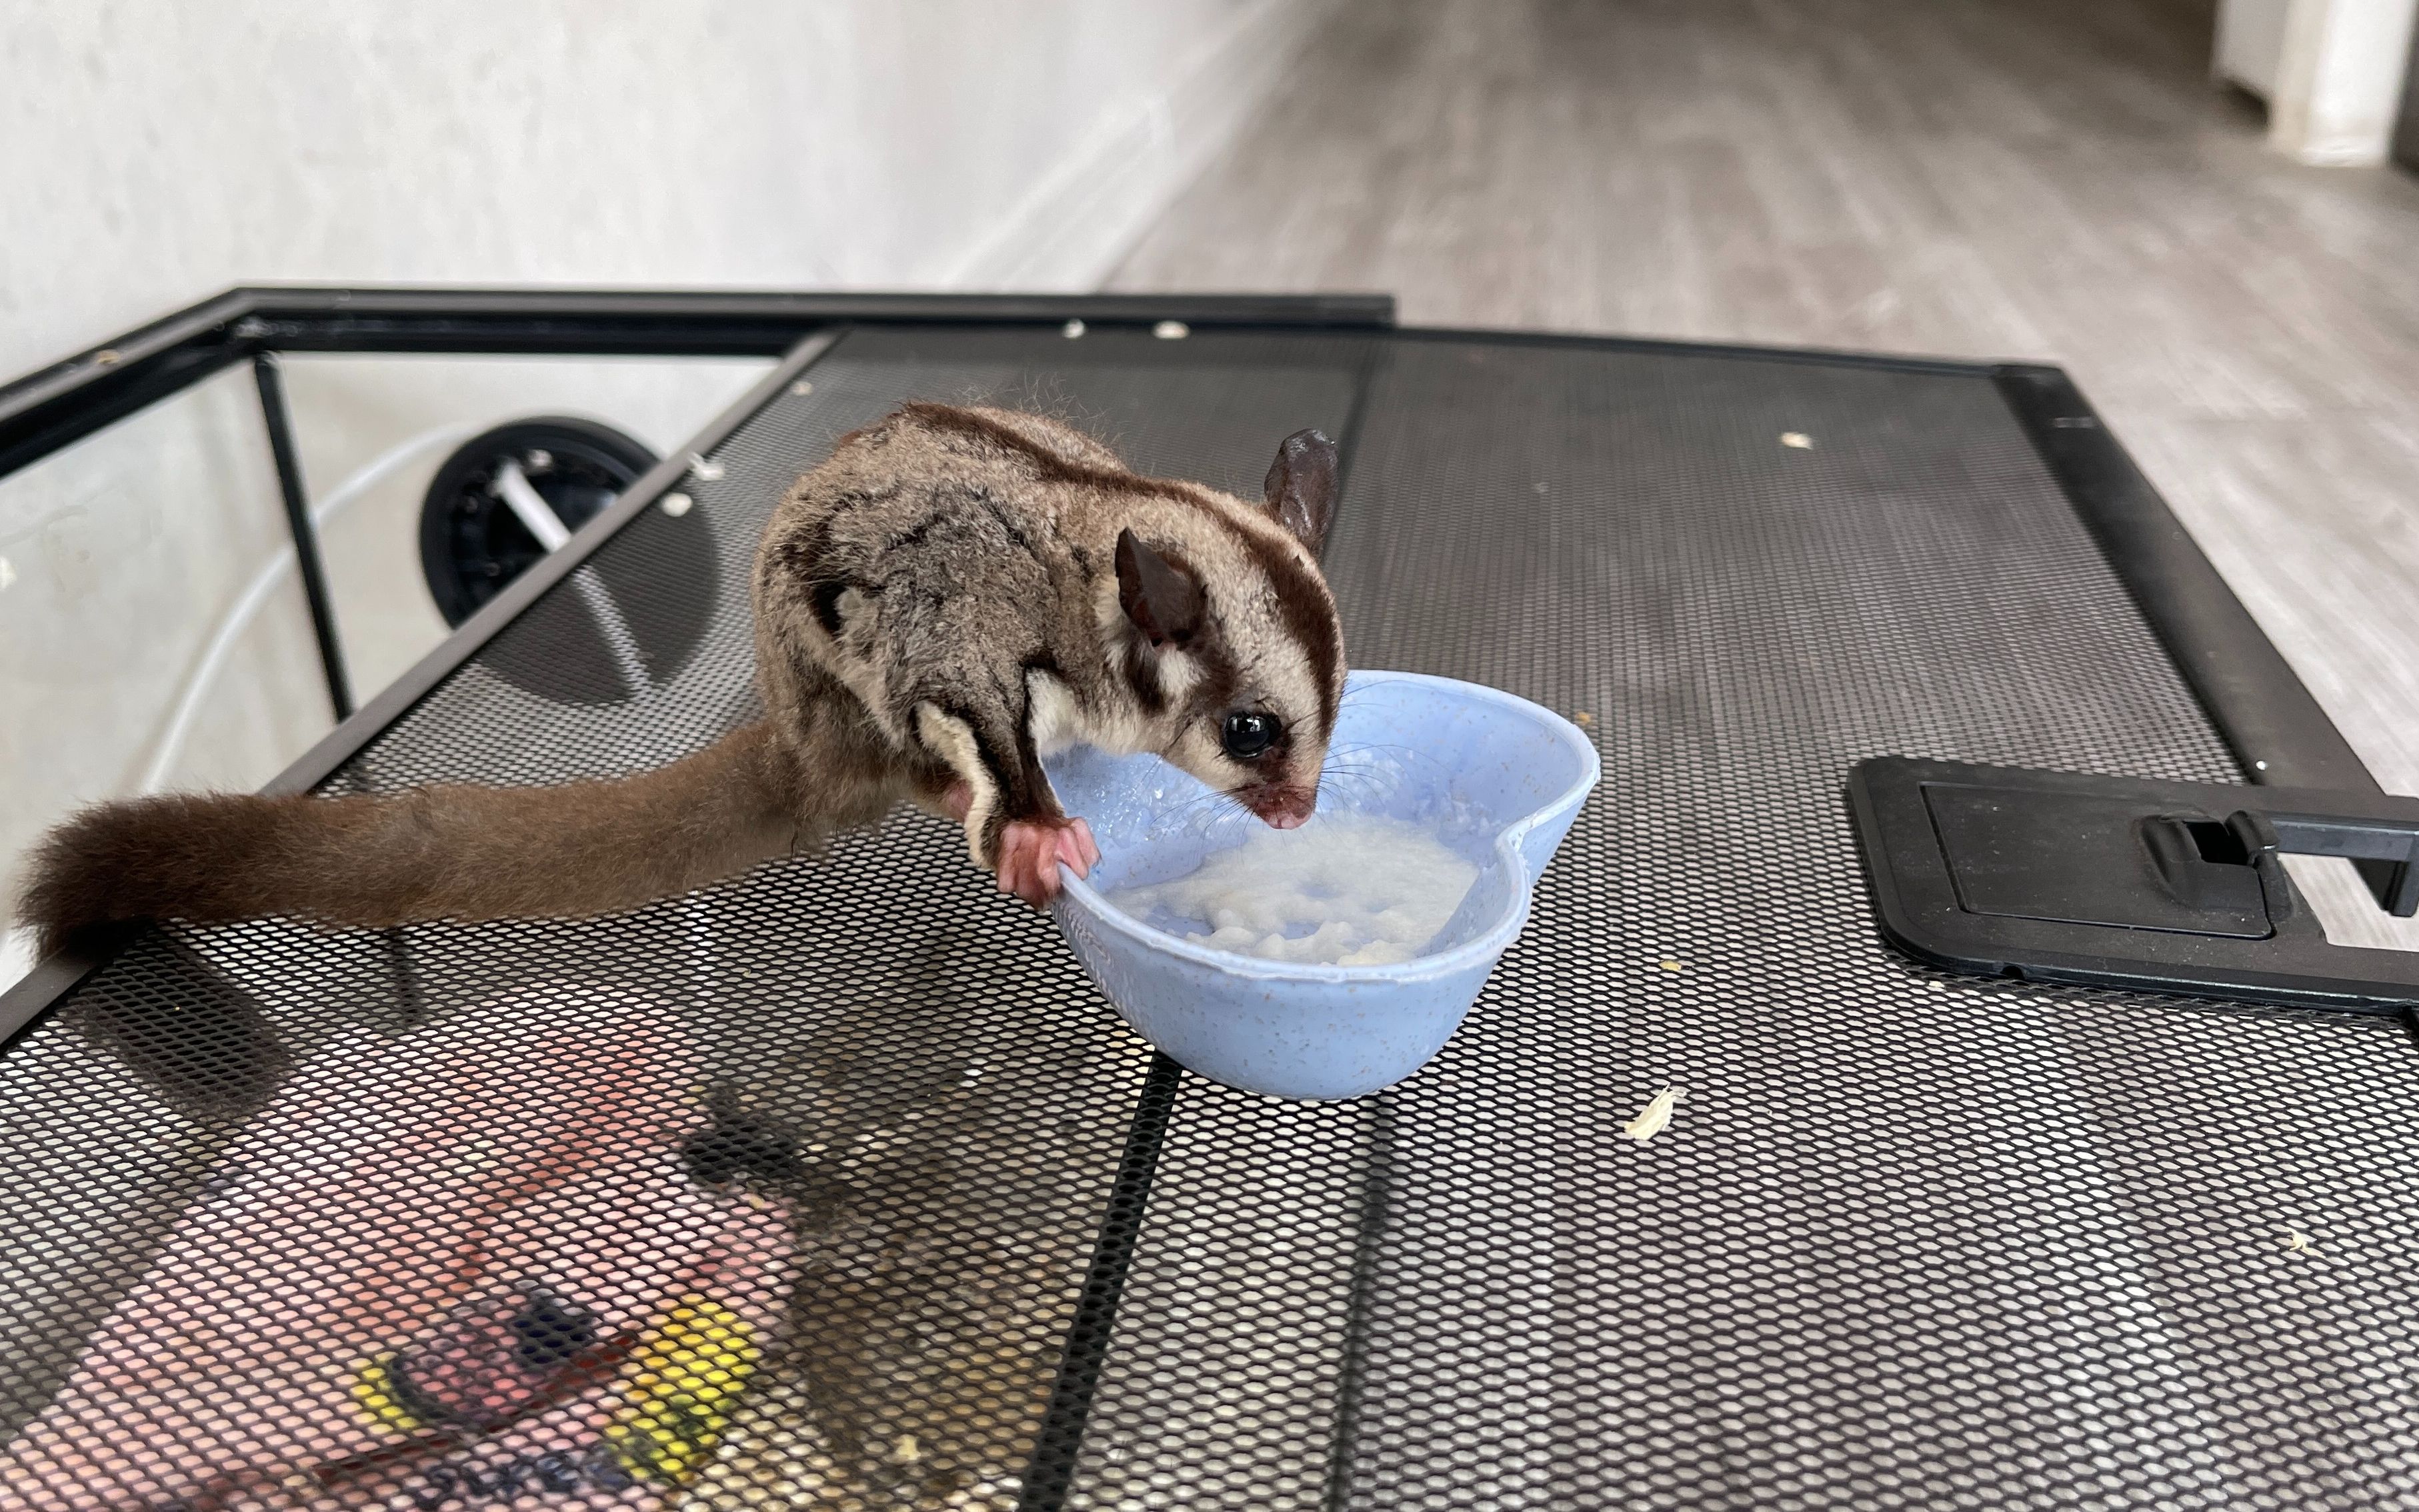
<point x="1235" y="643"/>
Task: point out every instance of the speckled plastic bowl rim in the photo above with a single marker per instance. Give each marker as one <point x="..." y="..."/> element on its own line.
<point x="1078" y="893"/>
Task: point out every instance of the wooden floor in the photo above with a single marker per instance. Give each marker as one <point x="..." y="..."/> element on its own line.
<point x="2001" y="178"/>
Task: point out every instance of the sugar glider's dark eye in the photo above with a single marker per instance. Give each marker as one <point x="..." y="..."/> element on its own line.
<point x="1247" y="736"/>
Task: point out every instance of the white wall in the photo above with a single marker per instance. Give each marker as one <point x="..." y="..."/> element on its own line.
<point x="154" y="151"/>
<point x="2340" y="79"/>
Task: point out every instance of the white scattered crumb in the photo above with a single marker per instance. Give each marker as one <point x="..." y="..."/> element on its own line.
<point x="802" y="388"/>
<point x="706" y="469"/>
<point x="676" y="504"/>
<point x="1071" y="330"/>
<point x="1171" y="330"/>
<point x="1797" y="438"/>
<point x="1672" y="965"/>
<point x="2300" y="1243"/>
<point x="905" y="1452"/>
<point x="1344" y="889"/>
<point x="1654" y="1117"/>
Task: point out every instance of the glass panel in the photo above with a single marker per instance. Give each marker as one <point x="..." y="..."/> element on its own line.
<point x="373" y="432"/>
<point x="153" y="632"/>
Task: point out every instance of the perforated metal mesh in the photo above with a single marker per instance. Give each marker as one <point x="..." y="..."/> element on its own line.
<point x="796" y="1192"/>
<point x="1907" y="1241"/>
<point x="787" y="1191"/>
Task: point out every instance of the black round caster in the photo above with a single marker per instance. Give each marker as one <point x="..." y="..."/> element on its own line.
<point x="471" y="543"/>
<point x="639" y="607"/>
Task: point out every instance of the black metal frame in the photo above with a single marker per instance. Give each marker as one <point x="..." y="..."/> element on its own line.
<point x="59" y="405"/>
<point x="2276" y="730"/>
<point x="1050" y="1471"/>
<point x="72" y="400"/>
<point x="306" y="535"/>
<point x="2278" y="734"/>
<point x="62" y="403"/>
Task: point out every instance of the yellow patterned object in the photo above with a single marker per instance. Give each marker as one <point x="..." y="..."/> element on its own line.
<point x="682" y="1381"/>
<point x="376" y="1401"/>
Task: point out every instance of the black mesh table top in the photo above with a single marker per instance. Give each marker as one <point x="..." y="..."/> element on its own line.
<point x="837" y="1186"/>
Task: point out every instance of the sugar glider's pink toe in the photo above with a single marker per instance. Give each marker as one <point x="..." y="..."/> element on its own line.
<point x="1070" y="850"/>
<point x="1029" y="854"/>
<point x="1043" y="860"/>
<point x="1013" y="844"/>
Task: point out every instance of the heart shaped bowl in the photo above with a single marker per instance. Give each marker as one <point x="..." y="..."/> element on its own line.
<point x="1496" y="777"/>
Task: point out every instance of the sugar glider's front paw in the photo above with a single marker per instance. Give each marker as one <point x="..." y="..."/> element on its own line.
<point x="1031" y="851"/>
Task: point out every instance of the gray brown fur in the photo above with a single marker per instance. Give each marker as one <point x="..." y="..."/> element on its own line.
<point x="952" y="594"/>
<point x="952" y="569"/>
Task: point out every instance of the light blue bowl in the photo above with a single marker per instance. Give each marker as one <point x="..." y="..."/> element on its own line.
<point x="1497" y="778"/>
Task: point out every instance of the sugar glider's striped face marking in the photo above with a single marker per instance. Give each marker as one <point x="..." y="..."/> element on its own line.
<point x="1238" y="644"/>
<point x="1258" y="754"/>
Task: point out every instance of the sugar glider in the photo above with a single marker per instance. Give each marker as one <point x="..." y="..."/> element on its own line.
<point x="955" y="593"/>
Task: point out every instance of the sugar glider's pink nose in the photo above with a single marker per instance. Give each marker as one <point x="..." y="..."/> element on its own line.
<point x="1283" y="808"/>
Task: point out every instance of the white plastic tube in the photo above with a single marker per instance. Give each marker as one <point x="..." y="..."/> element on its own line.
<point x="238" y="616"/>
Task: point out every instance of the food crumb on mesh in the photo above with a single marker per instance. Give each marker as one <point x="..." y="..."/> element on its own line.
<point x="1654" y="1117"/>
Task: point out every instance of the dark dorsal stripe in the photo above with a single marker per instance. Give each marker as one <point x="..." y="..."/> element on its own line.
<point x="1300" y="594"/>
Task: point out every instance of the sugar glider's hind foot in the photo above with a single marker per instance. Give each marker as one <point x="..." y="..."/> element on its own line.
<point x="1031" y="851"/>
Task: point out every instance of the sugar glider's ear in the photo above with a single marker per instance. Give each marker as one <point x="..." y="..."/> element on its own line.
<point x="1301" y="487"/>
<point x="1161" y="596"/>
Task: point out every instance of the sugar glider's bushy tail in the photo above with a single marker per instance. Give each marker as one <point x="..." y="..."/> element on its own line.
<point x="424" y="853"/>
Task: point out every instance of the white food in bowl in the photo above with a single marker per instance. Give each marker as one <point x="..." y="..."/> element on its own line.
<point x="1345" y="889"/>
